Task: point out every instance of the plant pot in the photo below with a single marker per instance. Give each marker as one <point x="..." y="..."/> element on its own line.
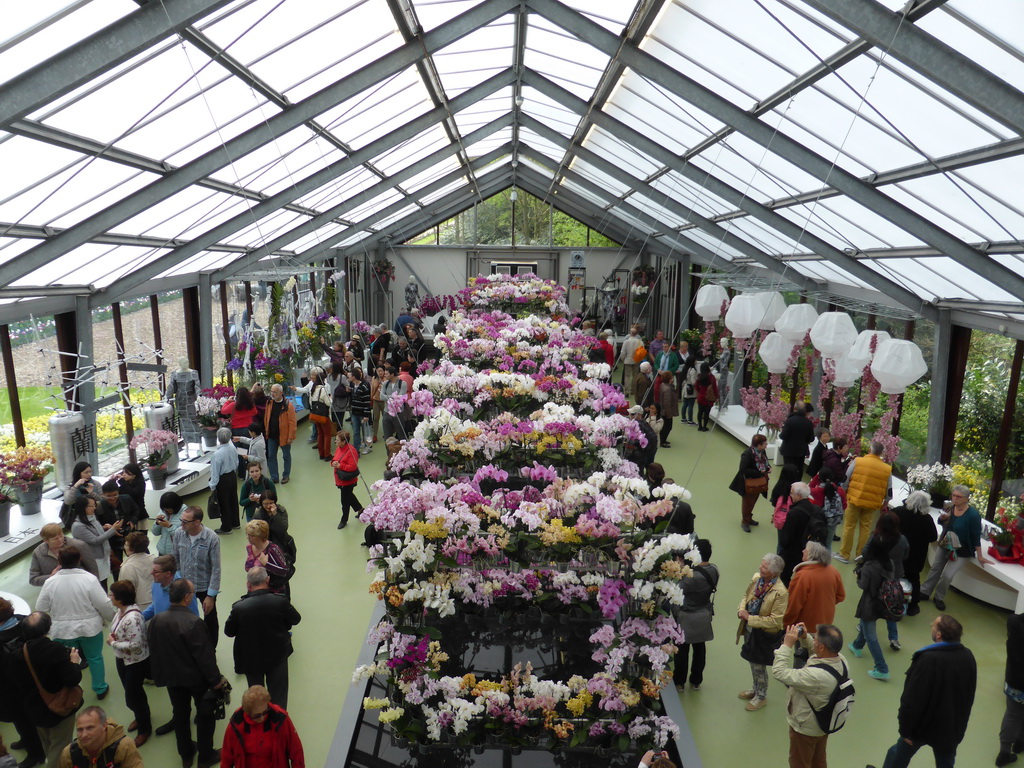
<point x="5" y="517"/>
<point x="209" y="436"/>
<point x="157" y="477"/>
<point x="30" y="498"/>
<point x="1004" y="550"/>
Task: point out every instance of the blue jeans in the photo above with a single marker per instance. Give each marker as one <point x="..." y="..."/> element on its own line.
<point x="357" y="432"/>
<point x="688" y="403"/>
<point x="866" y="635"/>
<point x="272" y="446"/>
<point x="892" y="629"/>
<point x="900" y="754"/>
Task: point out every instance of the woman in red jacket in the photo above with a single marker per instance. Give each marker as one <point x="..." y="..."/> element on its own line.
<point x="261" y="735"/>
<point x="707" y="396"/>
<point x="346" y="474"/>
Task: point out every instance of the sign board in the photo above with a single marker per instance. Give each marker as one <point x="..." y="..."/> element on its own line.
<point x="576" y="259"/>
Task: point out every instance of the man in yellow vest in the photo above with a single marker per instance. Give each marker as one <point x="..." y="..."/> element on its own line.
<point x="868" y="485"/>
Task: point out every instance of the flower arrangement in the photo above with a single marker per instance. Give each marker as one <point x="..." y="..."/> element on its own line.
<point x="208" y="410"/>
<point x="432" y="305"/>
<point x="159" y="443"/>
<point x="218" y="391"/>
<point x="384" y="269"/>
<point x="22" y="466"/>
<point x="516" y="295"/>
<point x="935" y="478"/>
<point x="513" y="508"/>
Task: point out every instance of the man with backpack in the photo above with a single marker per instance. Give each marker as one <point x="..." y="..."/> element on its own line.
<point x="820" y="693"/>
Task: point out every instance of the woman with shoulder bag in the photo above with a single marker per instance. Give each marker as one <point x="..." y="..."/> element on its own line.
<point x="695" y="618"/>
<point x="261" y="551"/>
<point x="707" y="396"/>
<point x="760" y="614"/>
<point x="321" y="398"/>
<point x="346" y="475"/>
<point x="751" y="480"/>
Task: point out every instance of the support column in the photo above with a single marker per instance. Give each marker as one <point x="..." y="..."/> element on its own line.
<point x="158" y="339"/>
<point x="85" y="373"/>
<point x="937" y="401"/>
<point x="67" y="346"/>
<point x="686" y="313"/>
<point x="1005" y="430"/>
<point x="12" y="386"/>
<point x="205" y="330"/>
<point x="122" y="373"/>
<point x="190" y="298"/>
<point x="225" y="331"/>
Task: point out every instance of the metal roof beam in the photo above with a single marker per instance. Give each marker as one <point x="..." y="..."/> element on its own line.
<point x="1001" y="150"/>
<point x="101" y="51"/>
<point x="319" y="252"/>
<point x="718" y="187"/>
<point x="634" y="183"/>
<point x="929" y="56"/>
<point x="992" y="248"/>
<point x="639" y="24"/>
<point x="658" y="227"/>
<point x="311" y="183"/>
<point x="254" y="138"/>
<point x="369" y="194"/>
<point x="827" y="67"/>
<point x="67" y="140"/>
<point x="704" y="98"/>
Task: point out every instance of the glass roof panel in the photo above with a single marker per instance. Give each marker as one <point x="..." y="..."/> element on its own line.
<point x="685" y="191"/>
<point x="1002" y="19"/>
<point x="713" y="244"/>
<point x="763" y="237"/>
<point x="625" y="156"/>
<point x="90" y="263"/>
<point x="373" y="113"/>
<point x="52" y="35"/>
<point x="940" y="278"/>
<point x="655" y="207"/>
<point x="752" y="167"/>
<point x="479" y="54"/>
<point x="599" y="177"/>
<point x="75" y="193"/>
<point x="433" y="173"/>
<point x="871" y="145"/>
<point x="572" y="63"/>
<point x="939" y="200"/>
<point x="382" y="200"/>
<point x="310" y="38"/>
<point x="190" y="212"/>
<point x="348" y="184"/>
<point x="434" y="13"/>
<point x="847" y="225"/>
<point x="824" y="271"/>
<point x="267" y="228"/>
<point x="610" y="14"/>
<point x="662" y="117"/>
<point x="410" y="151"/>
<point x="294" y="155"/>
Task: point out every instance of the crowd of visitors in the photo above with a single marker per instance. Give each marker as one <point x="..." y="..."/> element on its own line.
<point x="162" y="608"/>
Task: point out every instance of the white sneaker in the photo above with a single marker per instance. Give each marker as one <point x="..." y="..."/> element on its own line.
<point x="840" y="558"/>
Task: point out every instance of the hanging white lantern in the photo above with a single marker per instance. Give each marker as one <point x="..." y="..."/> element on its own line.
<point x="774" y="306"/>
<point x="744" y="315"/>
<point x="846" y="372"/>
<point x="833" y="334"/>
<point x="861" y="353"/>
<point x="796" y="321"/>
<point x="897" y="365"/>
<point x="775" y="351"/>
<point x="709" y="302"/>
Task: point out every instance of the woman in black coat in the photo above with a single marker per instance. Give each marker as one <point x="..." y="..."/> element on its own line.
<point x="753" y="464"/>
<point x="875" y="568"/>
<point x="917" y="525"/>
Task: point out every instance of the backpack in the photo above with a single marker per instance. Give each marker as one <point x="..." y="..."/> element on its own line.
<point x="781" y="510"/>
<point x="832" y="716"/>
<point x="640" y="355"/>
<point x="833" y="508"/>
<point x="714" y="585"/>
<point x="890" y="597"/>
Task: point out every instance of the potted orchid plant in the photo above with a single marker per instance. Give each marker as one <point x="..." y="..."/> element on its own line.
<point x="936" y="479"/>
<point x="24" y="470"/>
<point x="160" y="443"/>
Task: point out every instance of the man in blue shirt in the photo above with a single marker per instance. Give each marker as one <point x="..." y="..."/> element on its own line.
<point x="165" y="570"/>
<point x="224" y="481"/>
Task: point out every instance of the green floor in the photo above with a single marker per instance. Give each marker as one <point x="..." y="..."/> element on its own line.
<point x="329" y="590"/>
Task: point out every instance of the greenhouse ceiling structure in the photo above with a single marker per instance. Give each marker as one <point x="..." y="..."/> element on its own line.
<point x="855" y="149"/>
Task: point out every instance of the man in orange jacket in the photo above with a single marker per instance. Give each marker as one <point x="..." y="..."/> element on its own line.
<point x="279" y="423"/>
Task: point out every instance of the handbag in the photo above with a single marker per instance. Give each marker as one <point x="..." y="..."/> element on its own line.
<point x="755" y="484"/>
<point x="63" y="702"/>
<point x="213" y="506"/>
<point x="319" y="411"/>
